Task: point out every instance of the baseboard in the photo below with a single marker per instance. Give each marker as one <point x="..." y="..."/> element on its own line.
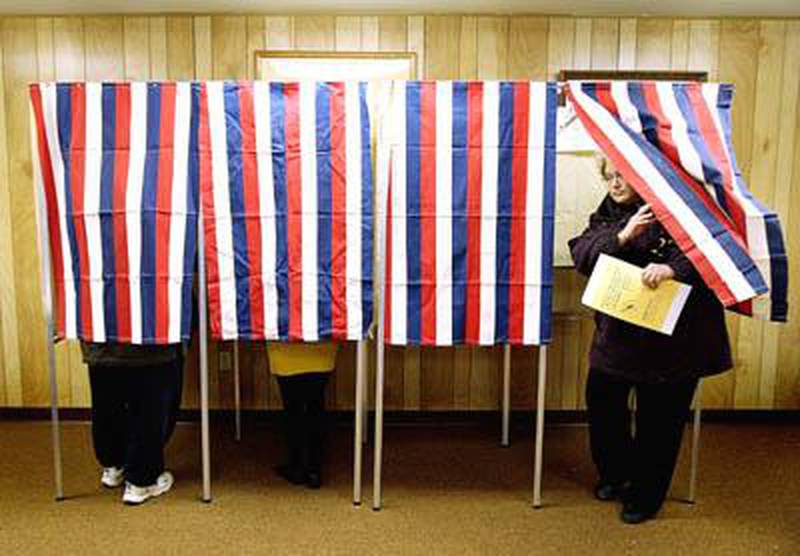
<point x="554" y="416"/>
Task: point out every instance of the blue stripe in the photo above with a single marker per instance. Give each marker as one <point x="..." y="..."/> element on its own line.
<point x="649" y="122"/>
<point x="459" y="208"/>
<point x="107" y="209"/>
<point x="192" y="192"/>
<point x="324" y="207"/>
<point x="711" y="173"/>
<point x="64" y="112"/>
<point x="413" y="211"/>
<point x="505" y="188"/>
<point x="590" y="90"/>
<point x="148" y="217"/>
<point x="739" y="257"/>
<point x="233" y="128"/>
<point x="366" y="212"/>
<point x="548" y="215"/>
<point x="278" y="121"/>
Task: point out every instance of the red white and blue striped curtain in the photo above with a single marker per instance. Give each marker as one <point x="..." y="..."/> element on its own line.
<point x="286" y="182"/>
<point x="114" y="172"/>
<point x="672" y="142"/>
<point x="469" y="222"/>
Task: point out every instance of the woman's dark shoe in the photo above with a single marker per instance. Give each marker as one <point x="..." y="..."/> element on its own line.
<point x="608" y="491"/>
<point x="313" y="479"/>
<point x="294" y="475"/>
<point x="633" y="513"/>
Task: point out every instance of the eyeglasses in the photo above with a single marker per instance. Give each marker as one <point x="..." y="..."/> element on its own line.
<point x="615" y="177"/>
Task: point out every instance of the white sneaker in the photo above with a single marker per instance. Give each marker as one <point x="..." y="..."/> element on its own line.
<point x="112" y="477"/>
<point x="135" y="495"/>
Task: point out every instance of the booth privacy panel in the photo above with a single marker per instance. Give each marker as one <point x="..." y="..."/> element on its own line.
<point x="469" y="218"/>
<point x="120" y="208"/>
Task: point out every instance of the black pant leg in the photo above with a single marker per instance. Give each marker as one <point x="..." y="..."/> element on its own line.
<point x="661" y="413"/>
<point x="154" y="391"/>
<point x="176" y="387"/>
<point x="292" y="390"/>
<point x="315" y="419"/>
<point x="609" y="425"/>
<point x="109" y="415"/>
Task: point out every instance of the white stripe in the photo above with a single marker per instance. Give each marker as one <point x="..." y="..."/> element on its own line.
<point x="222" y="208"/>
<point x="266" y="195"/>
<point x="444" y="213"/>
<point x="489" y="175"/>
<point x="133" y="203"/>
<point x="353" y="208"/>
<point x="755" y="224"/>
<point x="308" y="193"/>
<point x="177" y="228"/>
<point x="91" y="206"/>
<point x="534" y="209"/>
<point x="399" y="280"/>
<point x="50" y="117"/>
<point x="696" y="230"/>
<point x="628" y="112"/>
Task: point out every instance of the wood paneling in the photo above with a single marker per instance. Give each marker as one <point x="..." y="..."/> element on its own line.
<point x="758" y="57"/>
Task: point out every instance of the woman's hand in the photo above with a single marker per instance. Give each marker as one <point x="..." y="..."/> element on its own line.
<point x="636" y="225"/>
<point x="653" y="274"/>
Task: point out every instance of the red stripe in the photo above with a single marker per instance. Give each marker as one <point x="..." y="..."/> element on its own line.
<point x="252" y="207"/>
<point x="53" y="216"/>
<point x="387" y="278"/>
<point x="704" y="267"/>
<point x="294" y="209"/>
<point x="121" y="163"/>
<point x="163" y="209"/>
<point x="663" y="126"/>
<point x="428" y="212"/>
<point x="77" y="168"/>
<point x="713" y="141"/>
<point x="603" y="91"/>
<point x="474" y="177"/>
<point x="209" y="216"/>
<point x="519" y="196"/>
<point x="338" y="211"/>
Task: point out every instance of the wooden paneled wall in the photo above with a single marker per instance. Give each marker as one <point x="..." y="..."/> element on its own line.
<point x="759" y="56"/>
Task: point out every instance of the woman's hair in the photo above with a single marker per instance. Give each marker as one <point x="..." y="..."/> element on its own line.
<point x="602" y="163"/>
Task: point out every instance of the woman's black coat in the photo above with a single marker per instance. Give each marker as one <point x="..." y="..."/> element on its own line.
<point x="699" y="345"/>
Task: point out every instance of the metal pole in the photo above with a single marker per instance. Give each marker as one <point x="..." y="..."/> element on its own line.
<point x="364" y="357"/>
<point x="540" y="396"/>
<point x="43" y="240"/>
<point x="695" y="443"/>
<point x="237" y="394"/>
<point x="506" y="394"/>
<point x="359" y="423"/>
<point x="204" y="432"/>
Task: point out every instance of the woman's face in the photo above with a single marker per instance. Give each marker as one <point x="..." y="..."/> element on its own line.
<point x="619" y="190"/>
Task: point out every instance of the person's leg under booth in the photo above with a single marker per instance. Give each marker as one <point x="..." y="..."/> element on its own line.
<point x="155" y="395"/>
<point x="292" y="395"/>
<point x="315" y="420"/>
<point x="662" y="410"/>
<point x="609" y="426"/>
<point x="109" y="389"/>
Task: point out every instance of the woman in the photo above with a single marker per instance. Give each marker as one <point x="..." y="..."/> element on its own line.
<point x="302" y="370"/>
<point x="663" y="370"/>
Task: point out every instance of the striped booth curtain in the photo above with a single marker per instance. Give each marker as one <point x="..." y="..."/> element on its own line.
<point x="469" y="174"/>
<point x="672" y="143"/>
<point x="119" y="204"/>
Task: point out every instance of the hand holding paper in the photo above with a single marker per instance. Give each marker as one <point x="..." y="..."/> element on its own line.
<point x="616" y="288"/>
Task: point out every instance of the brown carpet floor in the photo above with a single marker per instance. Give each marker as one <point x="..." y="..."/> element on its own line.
<point x="448" y="489"/>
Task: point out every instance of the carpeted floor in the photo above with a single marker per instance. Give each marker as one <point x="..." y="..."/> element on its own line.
<point x="448" y="489"/>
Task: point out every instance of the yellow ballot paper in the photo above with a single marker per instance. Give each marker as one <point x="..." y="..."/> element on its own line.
<point x="615" y="288"/>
